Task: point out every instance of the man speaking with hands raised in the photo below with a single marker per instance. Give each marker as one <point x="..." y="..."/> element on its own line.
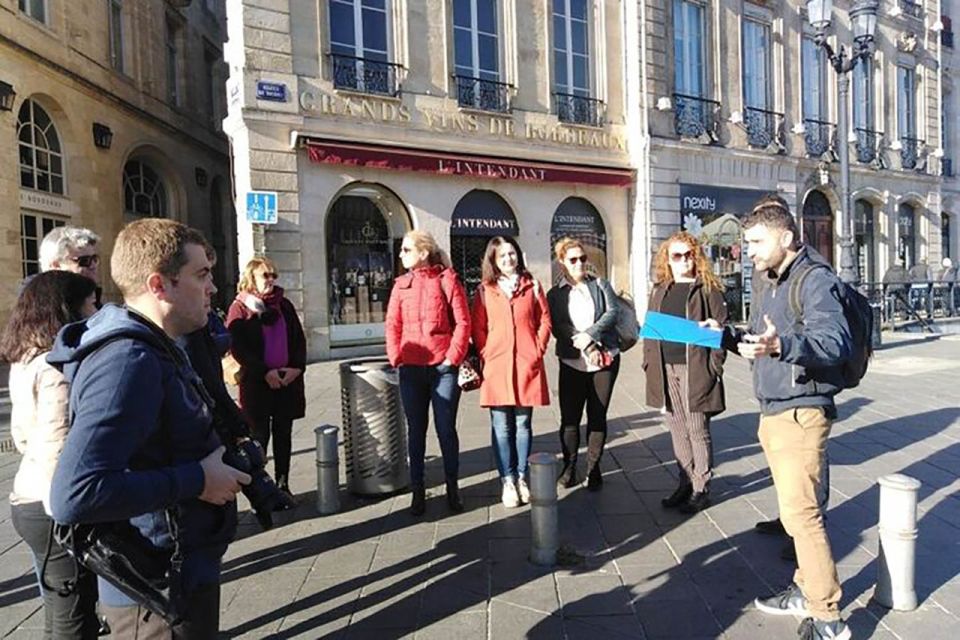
<point x="796" y="361"/>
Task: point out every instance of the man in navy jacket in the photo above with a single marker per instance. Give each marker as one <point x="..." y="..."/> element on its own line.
<point x="797" y="371"/>
<point x="141" y="440"/>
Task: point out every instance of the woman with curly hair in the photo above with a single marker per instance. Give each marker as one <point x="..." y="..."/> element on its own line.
<point x="685" y="381"/>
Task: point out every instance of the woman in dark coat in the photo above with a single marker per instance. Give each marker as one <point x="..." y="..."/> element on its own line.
<point x="267" y="340"/>
<point x="686" y="382"/>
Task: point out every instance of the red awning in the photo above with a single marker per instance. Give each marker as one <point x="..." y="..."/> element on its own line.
<point x="482" y="167"/>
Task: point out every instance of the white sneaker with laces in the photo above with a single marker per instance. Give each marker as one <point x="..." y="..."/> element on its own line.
<point x="510" y="498"/>
<point x="524" y="491"/>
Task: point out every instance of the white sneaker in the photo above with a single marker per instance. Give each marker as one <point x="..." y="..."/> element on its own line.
<point x="524" y="491"/>
<point x="510" y="498"/>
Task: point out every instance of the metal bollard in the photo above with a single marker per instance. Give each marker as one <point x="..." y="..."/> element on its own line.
<point x="328" y="470"/>
<point x="543" y="508"/>
<point x="898" y="542"/>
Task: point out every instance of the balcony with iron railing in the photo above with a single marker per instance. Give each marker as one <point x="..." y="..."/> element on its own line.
<point x="764" y="128"/>
<point x="911" y="8"/>
<point x="910" y="151"/>
<point x="868" y="144"/>
<point x="481" y="94"/>
<point x="573" y="109"/>
<point x="365" y="75"/>
<point x="819" y="137"/>
<point x="696" y="117"/>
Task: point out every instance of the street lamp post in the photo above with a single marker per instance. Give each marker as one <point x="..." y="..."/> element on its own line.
<point x="863" y="19"/>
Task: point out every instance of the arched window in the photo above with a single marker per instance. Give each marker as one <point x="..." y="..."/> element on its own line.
<point x="144" y="194"/>
<point x="41" y="156"/>
<point x="577" y="218"/>
<point x="906" y="235"/>
<point x="817" y="224"/>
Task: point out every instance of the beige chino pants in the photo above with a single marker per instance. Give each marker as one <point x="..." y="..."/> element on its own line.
<point x="795" y="444"/>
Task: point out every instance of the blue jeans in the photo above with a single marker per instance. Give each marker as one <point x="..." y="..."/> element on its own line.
<point x="511" y="440"/>
<point x="419" y="388"/>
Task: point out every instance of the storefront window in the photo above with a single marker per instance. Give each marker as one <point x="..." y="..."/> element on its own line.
<point x="479" y="216"/>
<point x="866" y="251"/>
<point x="577" y="218"/>
<point x="364" y="230"/>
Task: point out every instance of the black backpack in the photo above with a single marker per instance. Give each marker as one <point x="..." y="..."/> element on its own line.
<point x="859" y="316"/>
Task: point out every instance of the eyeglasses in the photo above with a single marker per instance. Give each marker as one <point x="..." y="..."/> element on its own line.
<point x="576" y="259"/>
<point x="269" y="275"/>
<point x="86" y="261"/>
<point x="677" y="257"/>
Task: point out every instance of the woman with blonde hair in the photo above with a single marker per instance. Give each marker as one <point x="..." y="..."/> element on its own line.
<point x="268" y="342"/>
<point x="427" y="332"/>
<point x="584" y="312"/>
<point x="686" y="382"/>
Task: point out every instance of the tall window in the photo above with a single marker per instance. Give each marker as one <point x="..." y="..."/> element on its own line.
<point x="41" y="157"/>
<point x="144" y="194"/>
<point x="945" y="236"/>
<point x="757" y="77"/>
<point x="814" y="71"/>
<point x="906" y="102"/>
<point x="359" y="44"/>
<point x="171" y="34"/>
<point x="571" y="47"/>
<point x="689" y="46"/>
<point x="906" y="238"/>
<point x="36" y="9"/>
<point x="33" y="228"/>
<point x="863" y="94"/>
<point x="115" y="26"/>
<point x="213" y="83"/>
<point x="476" y="55"/>
<point x="865" y="241"/>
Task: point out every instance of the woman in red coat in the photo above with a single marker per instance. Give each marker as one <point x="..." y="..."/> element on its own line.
<point x="267" y="339"/>
<point x="511" y="330"/>
<point x="427" y="331"/>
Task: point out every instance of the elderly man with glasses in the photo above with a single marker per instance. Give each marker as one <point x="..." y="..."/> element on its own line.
<point x="71" y="249"/>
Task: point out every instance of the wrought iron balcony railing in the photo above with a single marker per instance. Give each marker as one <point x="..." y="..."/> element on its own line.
<point x="946" y="166"/>
<point x="910" y="152"/>
<point x="365" y="75"/>
<point x="486" y="95"/>
<point x="868" y="144"/>
<point x="819" y="137"/>
<point x="911" y="8"/>
<point x="579" y="109"/>
<point x="696" y="117"/>
<point x="764" y="128"/>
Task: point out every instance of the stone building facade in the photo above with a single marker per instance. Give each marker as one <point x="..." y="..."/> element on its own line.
<point x="950" y="60"/>
<point x="112" y="111"/>
<point x="467" y="119"/>
<point x="737" y="101"/>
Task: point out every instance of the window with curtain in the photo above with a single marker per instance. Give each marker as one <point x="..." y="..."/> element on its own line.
<point x="571" y="47"/>
<point x="41" y="156"/>
<point x="689" y="47"/>
<point x="906" y="102"/>
<point x="757" y="77"/>
<point x="814" y="85"/>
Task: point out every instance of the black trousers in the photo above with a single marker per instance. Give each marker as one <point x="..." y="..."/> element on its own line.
<point x="579" y="388"/>
<point x="282" y="431"/>
<point x="64" y="616"/>
<point x="201" y="619"/>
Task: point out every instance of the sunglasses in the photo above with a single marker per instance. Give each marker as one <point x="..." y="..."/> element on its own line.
<point x="86" y="261"/>
<point x="677" y="257"/>
<point x="269" y="275"/>
<point x="576" y="259"/>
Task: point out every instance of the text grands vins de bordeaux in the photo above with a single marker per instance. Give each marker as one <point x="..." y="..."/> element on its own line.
<point x="393" y="112"/>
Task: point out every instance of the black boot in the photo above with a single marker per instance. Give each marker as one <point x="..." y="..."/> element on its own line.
<point x="698" y="501"/>
<point x="680" y="495"/>
<point x="568" y="477"/>
<point x="453" y="497"/>
<point x="418" y="500"/>
<point x="594" y="479"/>
<point x="771" y="527"/>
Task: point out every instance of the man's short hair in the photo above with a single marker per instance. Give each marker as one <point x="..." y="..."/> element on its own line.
<point x="151" y="245"/>
<point x="57" y="245"/>
<point x="772" y="211"/>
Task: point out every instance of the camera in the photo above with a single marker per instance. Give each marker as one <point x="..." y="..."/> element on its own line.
<point x="263" y="493"/>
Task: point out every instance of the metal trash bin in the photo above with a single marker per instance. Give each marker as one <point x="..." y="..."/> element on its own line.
<point x="877" y="310"/>
<point x="374" y="432"/>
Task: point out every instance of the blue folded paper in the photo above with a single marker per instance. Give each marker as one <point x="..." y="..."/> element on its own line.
<point x="662" y="326"/>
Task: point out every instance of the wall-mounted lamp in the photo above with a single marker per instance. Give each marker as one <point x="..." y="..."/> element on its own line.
<point x="102" y="136"/>
<point x="7" y="96"/>
<point x="201" y="176"/>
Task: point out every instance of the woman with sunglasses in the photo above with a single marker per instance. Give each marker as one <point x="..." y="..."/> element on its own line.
<point x="686" y="382"/>
<point x="427" y="331"/>
<point x="511" y="331"/>
<point x="584" y="313"/>
<point x="39" y="424"/>
<point x="267" y="340"/>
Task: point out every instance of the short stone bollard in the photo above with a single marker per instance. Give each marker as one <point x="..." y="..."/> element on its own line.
<point x="328" y="470"/>
<point x="543" y="508"/>
<point x="896" y="562"/>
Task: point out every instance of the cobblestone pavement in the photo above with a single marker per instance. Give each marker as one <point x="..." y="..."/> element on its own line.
<point x="634" y="571"/>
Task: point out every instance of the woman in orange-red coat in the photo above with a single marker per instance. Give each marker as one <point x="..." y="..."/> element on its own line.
<point x="511" y="330"/>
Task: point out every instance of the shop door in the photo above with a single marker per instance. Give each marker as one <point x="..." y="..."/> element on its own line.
<point x="817" y="223"/>
<point x="466" y="254"/>
<point x="577" y="218"/>
<point x="479" y="216"/>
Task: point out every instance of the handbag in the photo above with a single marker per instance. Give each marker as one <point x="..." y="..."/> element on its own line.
<point x="470" y="377"/>
<point x="231" y="369"/>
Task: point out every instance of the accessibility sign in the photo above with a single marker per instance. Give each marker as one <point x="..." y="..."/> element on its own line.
<point x="262" y="207"/>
